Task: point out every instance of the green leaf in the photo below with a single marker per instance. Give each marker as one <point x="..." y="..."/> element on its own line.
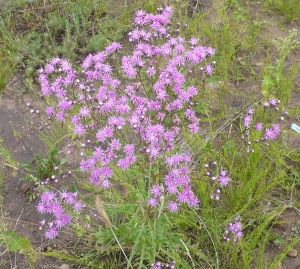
<point x="20" y="244"/>
<point x="15" y="242"/>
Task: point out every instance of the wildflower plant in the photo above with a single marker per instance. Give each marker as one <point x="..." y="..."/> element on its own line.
<point x="131" y="106"/>
<point x="263" y="132"/>
<point x="234" y="231"/>
<point x="126" y="109"/>
<point x="218" y="180"/>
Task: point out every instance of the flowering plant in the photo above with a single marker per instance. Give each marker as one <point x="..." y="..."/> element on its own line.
<point x="132" y="106"/>
<point x="263" y="131"/>
<point x="129" y="106"/>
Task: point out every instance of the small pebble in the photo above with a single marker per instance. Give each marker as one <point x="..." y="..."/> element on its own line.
<point x="293" y="253"/>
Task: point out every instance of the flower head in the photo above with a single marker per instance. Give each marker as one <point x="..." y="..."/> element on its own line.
<point x="273" y="132"/>
<point x="224" y="179"/>
<point x="234" y="230"/>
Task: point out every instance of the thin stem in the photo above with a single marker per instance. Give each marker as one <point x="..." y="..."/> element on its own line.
<point x="120" y="246"/>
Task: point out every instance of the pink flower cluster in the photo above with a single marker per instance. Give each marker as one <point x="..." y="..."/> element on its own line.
<point x="219" y="182"/>
<point x="273" y="103"/>
<point x="53" y="203"/>
<point x="234" y="230"/>
<point x="248" y="119"/>
<point x="133" y="106"/>
<point x="177" y="185"/>
<point x="266" y="134"/>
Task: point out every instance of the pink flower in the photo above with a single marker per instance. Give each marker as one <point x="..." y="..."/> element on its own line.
<point x="173" y="207"/>
<point x="258" y="126"/>
<point x="273" y="132"/>
<point x="224" y="179"/>
<point x="151" y="71"/>
<point x="113" y="47"/>
<point x="50" y="111"/>
<point x="84" y="112"/>
<point x="104" y="133"/>
<point x="193" y="41"/>
<point x="41" y="208"/>
<point x="78" y="206"/>
<point x="247" y="121"/>
<point x="105" y="184"/>
<point x="209" y="69"/>
<point x="60" y="116"/>
<point x="152" y="202"/>
<point x="273" y="102"/>
<point x="51" y="233"/>
<point x="79" y="129"/>
<point x="48" y="197"/>
<point x="156" y="191"/>
<point x="65" y="105"/>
